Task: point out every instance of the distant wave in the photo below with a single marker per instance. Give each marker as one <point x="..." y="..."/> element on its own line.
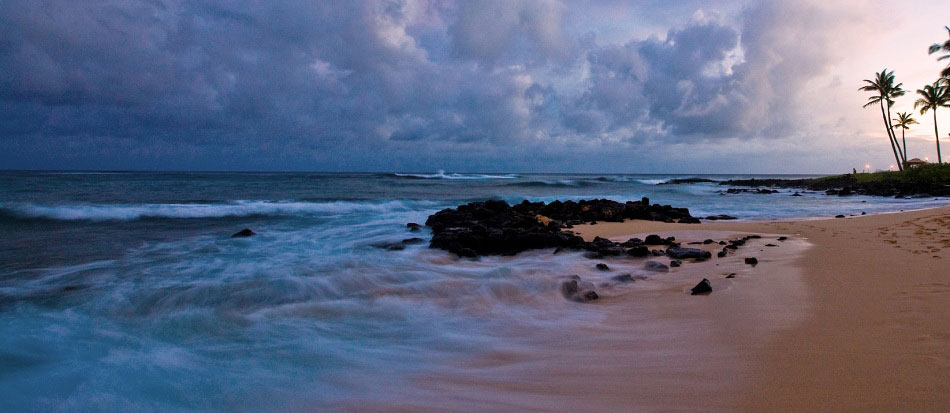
<point x="442" y="175"/>
<point x="129" y="212"/>
<point x="570" y="183"/>
<point x="652" y="181"/>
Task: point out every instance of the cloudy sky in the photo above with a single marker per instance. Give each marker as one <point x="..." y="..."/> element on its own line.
<point x="503" y="86"/>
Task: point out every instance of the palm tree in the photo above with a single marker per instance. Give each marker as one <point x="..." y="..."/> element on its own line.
<point x="936" y="47"/>
<point x="885" y="91"/>
<point x="932" y="97"/>
<point x="903" y="121"/>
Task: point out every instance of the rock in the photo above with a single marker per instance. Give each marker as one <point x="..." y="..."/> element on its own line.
<point x="839" y="216"/>
<point x="722" y="217"/>
<point x="771" y="245"/>
<point x="401" y="245"/>
<point x="796" y="194"/>
<point x="496" y="228"/>
<point x="656" y="266"/>
<point x="602" y="267"/>
<point x="704" y="287"/>
<point x="246" y="232"/>
<point x="593" y="255"/>
<point x="413" y="227"/>
<point x="722" y="254"/>
<point x="863" y="213"/>
<point x="641" y="251"/>
<point x="572" y="291"/>
<point x="722" y="242"/>
<point x="626" y="278"/>
<point x="675" y="263"/>
<point x="751" y="261"/>
<point x="708" y="241"/>
<point x="731" y="247"/>
<point x="688" y="220"/>
<point x="685" y="253"/>
<point x="653" y="239"/>
<point x="731" y="275"/>
<point x="782" y="238"/>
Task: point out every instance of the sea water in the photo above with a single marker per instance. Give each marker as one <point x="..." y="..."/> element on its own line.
<point x="124" y="290"/>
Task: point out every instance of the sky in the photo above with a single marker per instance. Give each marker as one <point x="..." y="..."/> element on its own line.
<point x="469" y="86"/>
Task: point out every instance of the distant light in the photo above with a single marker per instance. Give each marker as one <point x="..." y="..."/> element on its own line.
<point x="891" y="167"/>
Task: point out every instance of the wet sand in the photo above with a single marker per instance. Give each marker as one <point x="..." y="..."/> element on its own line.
<point x="846" y="314"/>
<point x="877" y="335"/>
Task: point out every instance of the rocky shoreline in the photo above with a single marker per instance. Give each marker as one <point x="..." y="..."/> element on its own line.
<point x="844" y="185"/>
<point x="496" y="228"/>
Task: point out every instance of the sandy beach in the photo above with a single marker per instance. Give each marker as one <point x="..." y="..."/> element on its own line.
<point x="843" y="315"/>
<point x="874" y="335"/>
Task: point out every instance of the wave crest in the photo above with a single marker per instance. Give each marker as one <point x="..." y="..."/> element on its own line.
<point x="455" y="176"/>
<point x="129" y="212"/>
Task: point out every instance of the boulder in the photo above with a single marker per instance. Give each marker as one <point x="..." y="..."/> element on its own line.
<point x="413" y="227"/>
<point x="656" y="266"/>
<point x="704" y="287"/>
<point x="686" y="253"/>
<point x="573" y="291"/>
<point x="751" y="261"/>
<point x="246" y="232"/>
<point x="602" y="267"/>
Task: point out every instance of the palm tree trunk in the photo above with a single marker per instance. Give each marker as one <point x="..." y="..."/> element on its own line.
<point x="890" y="128"/>
<point x="904" y="138"/>
<point x="937" y="138"/>
<point x="889" y="137"/>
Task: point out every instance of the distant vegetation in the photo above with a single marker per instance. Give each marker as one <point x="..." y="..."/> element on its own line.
<point x="923" y="180"/>
<point x="885" y="89"/>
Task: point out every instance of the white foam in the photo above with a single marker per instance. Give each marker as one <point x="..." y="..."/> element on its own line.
<point x="127" y="212"/>
<point x="442" y="175"/>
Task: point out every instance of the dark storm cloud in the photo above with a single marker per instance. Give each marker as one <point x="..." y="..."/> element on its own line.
<point x="362" y="85"/>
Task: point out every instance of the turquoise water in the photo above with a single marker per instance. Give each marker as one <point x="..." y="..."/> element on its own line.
<point x="125" y="291"/>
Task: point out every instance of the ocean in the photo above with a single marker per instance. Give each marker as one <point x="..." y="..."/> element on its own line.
<point x="125" y="291"/>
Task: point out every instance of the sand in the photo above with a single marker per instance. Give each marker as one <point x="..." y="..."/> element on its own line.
<point x="846" y="314"/>
<point x="876" y="335"/>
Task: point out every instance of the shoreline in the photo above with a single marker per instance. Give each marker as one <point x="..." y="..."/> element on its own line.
<point x="876" y="337"/>
<point x="824" y="321"/>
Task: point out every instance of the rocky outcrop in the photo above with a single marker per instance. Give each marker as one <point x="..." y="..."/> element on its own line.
<point x="246" y="232"/>
<point x="496" y="228"/>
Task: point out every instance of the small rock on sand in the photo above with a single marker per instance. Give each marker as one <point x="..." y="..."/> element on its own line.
<point x="751" y="261"/>
<point x="704" y="287"/>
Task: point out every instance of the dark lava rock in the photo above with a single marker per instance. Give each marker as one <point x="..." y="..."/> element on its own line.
<point x="708" y="241"/>
<point x="731" y="246"/>
<point x="839" y="216"/>
<point x="626" y="278"/>
<point x="413" y="227"/>
<point x="688" y="220"/>
<point x="722" y="242"/>
<point x="572" y="291"/>
<point x="704" y="287"/>
<point x="246" y="232"/>
<point x="751" y="261"/>
<point x="496" y="228"/>
<point x="401" y="245"/>
<point x="675" y="263"/>
<point x="685" y="253"/>
<point x="796" y="194"/>
<point x="771" y="245"/>
<point x="641" y="251"/>
<point x="782" y="238"/>
<point x="722" y="254"/>
<point x="863" y="213"/>
<point x="721" y="217"/>
<point x="656" y="266"/>
<point x="602" y="267"/>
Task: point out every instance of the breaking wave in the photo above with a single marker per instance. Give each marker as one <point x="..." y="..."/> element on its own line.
<point x="442" y="175"/>
<point x="129" y="212"/>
